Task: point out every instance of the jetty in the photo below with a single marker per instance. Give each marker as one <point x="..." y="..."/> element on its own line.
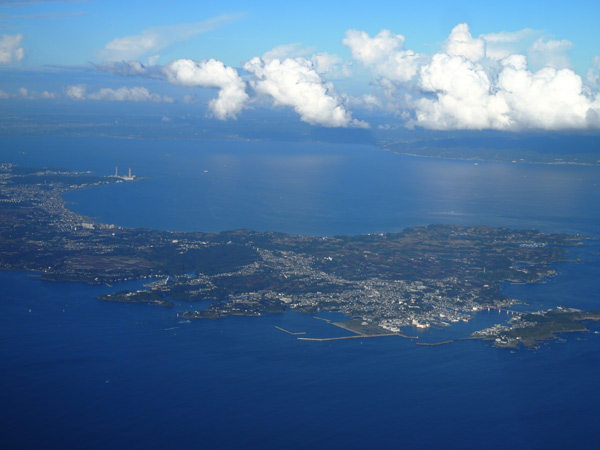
<point x="290" y="332"/>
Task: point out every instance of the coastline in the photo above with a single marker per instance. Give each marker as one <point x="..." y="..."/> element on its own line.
<point x="490" y="160"/>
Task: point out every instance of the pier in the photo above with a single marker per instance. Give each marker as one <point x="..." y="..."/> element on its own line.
<point x="341" y="338"/>
<point x="290" y="332"/>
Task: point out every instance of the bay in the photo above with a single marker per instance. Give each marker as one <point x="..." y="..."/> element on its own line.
<point x="79" y="372"/>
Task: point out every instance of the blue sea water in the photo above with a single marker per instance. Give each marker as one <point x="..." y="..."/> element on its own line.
<point x="77" y="372"/>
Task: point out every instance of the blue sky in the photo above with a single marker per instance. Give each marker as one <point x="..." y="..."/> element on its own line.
<point x="434" y="64"/>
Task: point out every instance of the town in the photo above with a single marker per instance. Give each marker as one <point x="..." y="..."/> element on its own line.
<point x="420" y="277"/>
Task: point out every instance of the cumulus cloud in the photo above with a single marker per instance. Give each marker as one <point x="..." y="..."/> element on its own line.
<point x="232" y="96"/>
<point x="47" y="95"/>
<point x="122" y="94"/>
<point x="24" y="93"/>
<point x="550" y="53"/>
<point x="547" y="99"/>
<point x="476" y="83"/>
<point x="154" y="39"/>
<point x="466" y="98"/>
<point x="75" y="92"/>
<point x="332" y="65"/>
<point x="463" y="98"/>
<point x="211" y="73"/>
<point x="10" y="52"/>
<point x="505" y="81"/>
<point x="462" y="43"/>
<point x="295" y="82"/>
<point x="505" y="43"/>
<point x="33" y="95"/>
<point x="384" y="54"/>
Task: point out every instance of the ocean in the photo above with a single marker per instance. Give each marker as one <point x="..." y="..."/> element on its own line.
<point x="77" y="372"/>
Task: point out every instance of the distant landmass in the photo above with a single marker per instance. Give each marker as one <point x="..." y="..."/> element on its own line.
<point x="145" y="121"/>
<point x="421" y="277"/>
<point x="501" y="147"/>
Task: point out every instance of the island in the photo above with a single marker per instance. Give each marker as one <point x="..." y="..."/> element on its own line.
<point x="532" y="329"/>
<point x="384" y="283"/>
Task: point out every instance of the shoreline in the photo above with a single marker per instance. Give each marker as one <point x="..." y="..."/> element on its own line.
<point x="484" y="160"/>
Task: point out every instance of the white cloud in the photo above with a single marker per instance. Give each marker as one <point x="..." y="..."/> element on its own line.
<point x="463" y="98"/>
<point x="370" y="50"/>
<point x="384" y="54"/>
<point x="25" y="93"/>
<point x="75" y="92"/>
<point x="505" y="43"/>
<point x="518" y="62"/>
<point x="326" y="63"/>
<point x="451" y="73"/>
<point x="122" y="94"/>
<point x="541" y="52"/>
<point x="550" y="53"/>
<point x="10" y="52"/>
<point x="546" y="99"/>
<point x="461" y="43"/>
<point x="480" y="83"/>
<point x="154" y="39"/>
<point x="211" y="73"/>
<point x="296" y="83"/>
<point x="47" y="95"/>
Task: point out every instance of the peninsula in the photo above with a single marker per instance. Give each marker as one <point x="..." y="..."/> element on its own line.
<point x="419" y="277"/>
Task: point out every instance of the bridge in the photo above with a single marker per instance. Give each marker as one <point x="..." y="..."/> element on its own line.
<point x="508" y="311"/>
